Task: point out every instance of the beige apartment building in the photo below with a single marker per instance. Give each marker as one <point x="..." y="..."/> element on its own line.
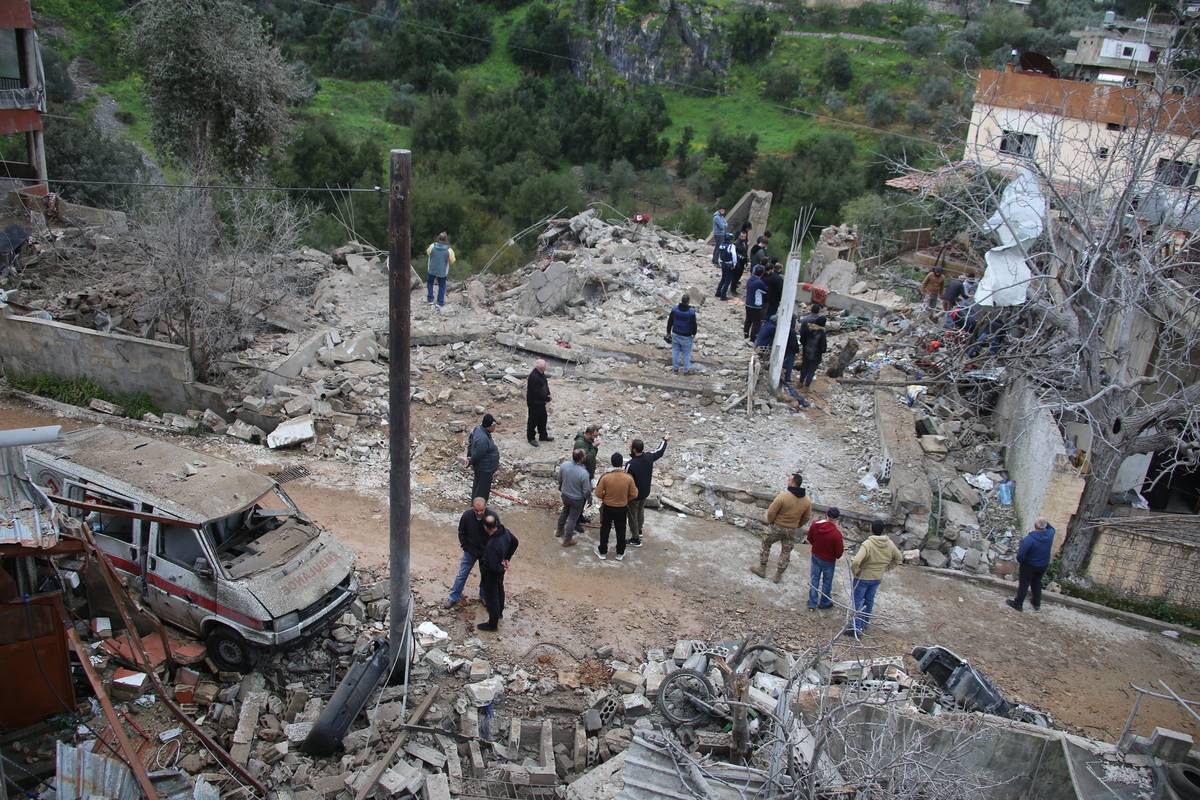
<point x="1084" y="136"/>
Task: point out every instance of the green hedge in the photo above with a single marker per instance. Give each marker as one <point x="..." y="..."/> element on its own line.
<point x="81" y="391"/>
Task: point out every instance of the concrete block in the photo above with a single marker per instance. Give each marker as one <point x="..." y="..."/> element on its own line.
<point x="592" y="722"/>
<point x="934" y="558"/>
<point x="434" y="758"/>
<point x="293" y="432"/>
<point x="437" y="787"/>
<point x="626" y="681"/>
<point x="1170" y="746"/>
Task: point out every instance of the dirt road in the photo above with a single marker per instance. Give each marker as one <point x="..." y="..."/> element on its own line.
<point x="692" y="580"/>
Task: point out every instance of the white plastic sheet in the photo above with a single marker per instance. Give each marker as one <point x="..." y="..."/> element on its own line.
<point x="1018" y="220"/>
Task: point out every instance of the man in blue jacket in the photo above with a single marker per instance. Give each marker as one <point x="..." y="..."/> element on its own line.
<point x="1033" y="557"/>
<point x="681" y="333"/>
<point x="756" y="304"/>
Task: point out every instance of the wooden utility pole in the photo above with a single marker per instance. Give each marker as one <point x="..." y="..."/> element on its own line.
<point x="399" y="390"/>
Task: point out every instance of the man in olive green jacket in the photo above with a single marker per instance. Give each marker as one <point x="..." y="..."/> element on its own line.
<point x="875" y="556"/>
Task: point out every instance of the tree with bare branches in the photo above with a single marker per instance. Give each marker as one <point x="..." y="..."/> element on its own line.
<point x="214" y="263"/>
<point x="1107" y="332"/>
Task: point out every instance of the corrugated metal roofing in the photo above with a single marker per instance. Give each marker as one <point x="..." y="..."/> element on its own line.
<point x="651" y="774"/>
<point x="83" y="774"/>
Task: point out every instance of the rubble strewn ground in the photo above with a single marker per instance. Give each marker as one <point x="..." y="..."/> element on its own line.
<point x="575" y="626"/>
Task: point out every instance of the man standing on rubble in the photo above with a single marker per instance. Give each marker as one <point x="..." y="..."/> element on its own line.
<point x="827" y="547"/>
<point x="789" y="511"/>
<point x="471" y="538"/>
<point x="719" y="228"/>
<point x="681" y="333"/>
<point x="741" y="246"/>
<point x="641" y="466"/>
<point x="483" y="457"/>
<point x="499" y="550"/>
<point x="727" y="259"/>
<point x="575" y="487"/>
<point x="616" y="490"/>
<point x="537" y="397"/>
<point x="756" y="304"/>
<point x="1033" y="557"/>
<point x="774" y="281"/>
<point x="933" y="285"/>
<point x="588" y="441"/>
<point x="875" y="556"/>
<point x="441" y="258"/>
<point x="812" y="344"/>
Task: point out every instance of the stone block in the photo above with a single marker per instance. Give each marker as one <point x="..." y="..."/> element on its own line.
<point x="292" y="432"/>
<point x="626" y="681"/>
<point x="934" y="558"/>
<point x="592" y="722"/>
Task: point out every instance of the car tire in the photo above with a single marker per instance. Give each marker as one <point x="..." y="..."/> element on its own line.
<point x="228" y="650"/>
<point x="1185" y="780"/>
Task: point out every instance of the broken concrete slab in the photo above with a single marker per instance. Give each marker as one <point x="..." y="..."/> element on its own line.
<point x="292" y="432"/>
<point x="541" y="348"/>
<point x="604" y="782"/>
<point x="294" y="364"/>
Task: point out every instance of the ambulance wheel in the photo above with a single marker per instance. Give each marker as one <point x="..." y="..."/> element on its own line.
<point x="228" y="650"/>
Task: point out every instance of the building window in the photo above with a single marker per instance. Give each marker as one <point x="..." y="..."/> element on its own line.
<point x="1018" y="144"/>
<point x="1102" y="152"/>
<point x="1127" y="52"/>
<point x="1171" y="172"/>
<point x="1115" y="126"/>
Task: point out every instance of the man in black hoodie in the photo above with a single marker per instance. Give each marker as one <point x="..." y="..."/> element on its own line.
<point x="500" y="547"/>
<point x="812" y="344"/>
<point x="641" y="466"/>
<point x="537" y="397"/>
<point x="774" y="281"/>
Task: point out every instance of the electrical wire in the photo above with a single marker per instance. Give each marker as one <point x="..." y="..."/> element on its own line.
<point x="222" y="187"/>
<point x="40" y="781"/>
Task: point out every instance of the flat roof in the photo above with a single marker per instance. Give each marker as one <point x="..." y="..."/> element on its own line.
<point x="1093" y="102"/>
<point x="156" y="470"/>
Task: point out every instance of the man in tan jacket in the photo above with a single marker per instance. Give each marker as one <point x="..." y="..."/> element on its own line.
<point x="616" y="490"/>
<point x="875" y="556"/>
<point x="789" y="511"/>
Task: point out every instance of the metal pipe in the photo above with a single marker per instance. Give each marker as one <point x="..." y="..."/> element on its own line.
<point x="399" y="390"/>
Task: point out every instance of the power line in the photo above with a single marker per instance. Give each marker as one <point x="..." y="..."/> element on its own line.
<point x="569" y="59"/>
<point x="222" y="187"/>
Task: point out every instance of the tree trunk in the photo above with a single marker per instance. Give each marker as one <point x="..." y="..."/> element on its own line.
<point x="1103" y="462"/>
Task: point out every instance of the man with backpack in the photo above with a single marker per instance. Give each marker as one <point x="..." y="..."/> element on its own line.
<point x="727" y="259"/>
<point x="756" y="304"/>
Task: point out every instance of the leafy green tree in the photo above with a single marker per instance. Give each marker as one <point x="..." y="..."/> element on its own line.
<point x="453" y="33"/>
<point x="961" y="54"/>
<point x="59" y="86"/>
<point x="543" y="194"/>
<point x="621" y="178"/>
<point x="541" y="41"/>
<point x="935" y="91"/>
<point x="922" y="40"/>
<point x="402" y="104"/>
<point x="879" y="222"/>
<point x="214" y="83"/>
<point x="76" y="149"/>
<point x="751" y="34"/>
<point x="918" y="115"/>
<point x="683" y="152"/>
<point x="1001" y="27"/>
<point x="881" y="108"/>
<point x="837" y="69"/>
<point x="436" y="125"/>
<point x="736" y="154"/>
<point x="783" y="84"/>
<point x="835" y="102"/>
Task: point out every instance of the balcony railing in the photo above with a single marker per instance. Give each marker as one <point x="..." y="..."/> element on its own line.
<point x="17" y="96"/>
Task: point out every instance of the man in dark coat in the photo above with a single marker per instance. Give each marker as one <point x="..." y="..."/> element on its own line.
<point x="499" y="550"/>
<point x="774" y="281"/>
<point x="1033" y="558"/>
<point x="812" y="344"/>
<point x="537" y="397"/>
<point x="741" y="246"/>
<point x="483" y="457"/>
<point x="641" y="466"/>
<point x="471" y="539"/>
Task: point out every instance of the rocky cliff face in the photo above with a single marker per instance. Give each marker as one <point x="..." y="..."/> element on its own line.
<point x="646" y="43"/>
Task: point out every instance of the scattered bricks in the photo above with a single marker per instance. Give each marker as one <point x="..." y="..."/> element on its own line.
<point x="297" y="696"/>
<point x="468" y="723"/>
<point x="912" y="556"/>
<point x="378" y="609"/>
<point x="297" y="732"/>
<point x="617" y="740"/>
<point x="547" y="744"/>
<point x="683" y="649"/>
<point x="653" y="682"/>
<point x="437" y="787"/>
<point x="514" y="737"/>
<point x="712" y="743"/>
<point x="934" y="558"/>
<point x="604" y="650"/>
<point x="542" y="776"/>
<point x="275" y="753"/>
<point x="128" y="685"/>
<point x="515" y="774"/>
<point x="246" y="432"/>
<point x="186" y="676"/>
<point x="329" y="785"/>
<point x="656" y="654"/>
<point x="105" y="407"/>
<point x="453" y="764"/>
<point x="184" y="693"/>
<point x="636" y="705"/>
<point x="592" y="723"/>
<point x="480" y="670"/>
<point x="477" y="765"/>
<point x="392" y="783"/>
<point x="434" y="758"/>
<point x="271" y="730"/>
<point x="214" y="422"/>
<point x="563" y="765"/>
<point x="247" y="725"/>
<point x="626" y="681"/>
<point x="579" y="753"/>
<point x="607" y="706"/>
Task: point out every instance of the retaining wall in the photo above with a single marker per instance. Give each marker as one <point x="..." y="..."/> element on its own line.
<point x="1148" y="564"/>
<point x="1047" y="485"/>
<point x="120" y="364"/>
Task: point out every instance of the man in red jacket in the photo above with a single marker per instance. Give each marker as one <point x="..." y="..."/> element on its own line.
<point x="827" y="547"/>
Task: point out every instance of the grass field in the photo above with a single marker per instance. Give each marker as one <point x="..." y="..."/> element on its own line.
<point x="356" y="109"/>
<point x="131" y="108"/>
<point x="497" y="69"/>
